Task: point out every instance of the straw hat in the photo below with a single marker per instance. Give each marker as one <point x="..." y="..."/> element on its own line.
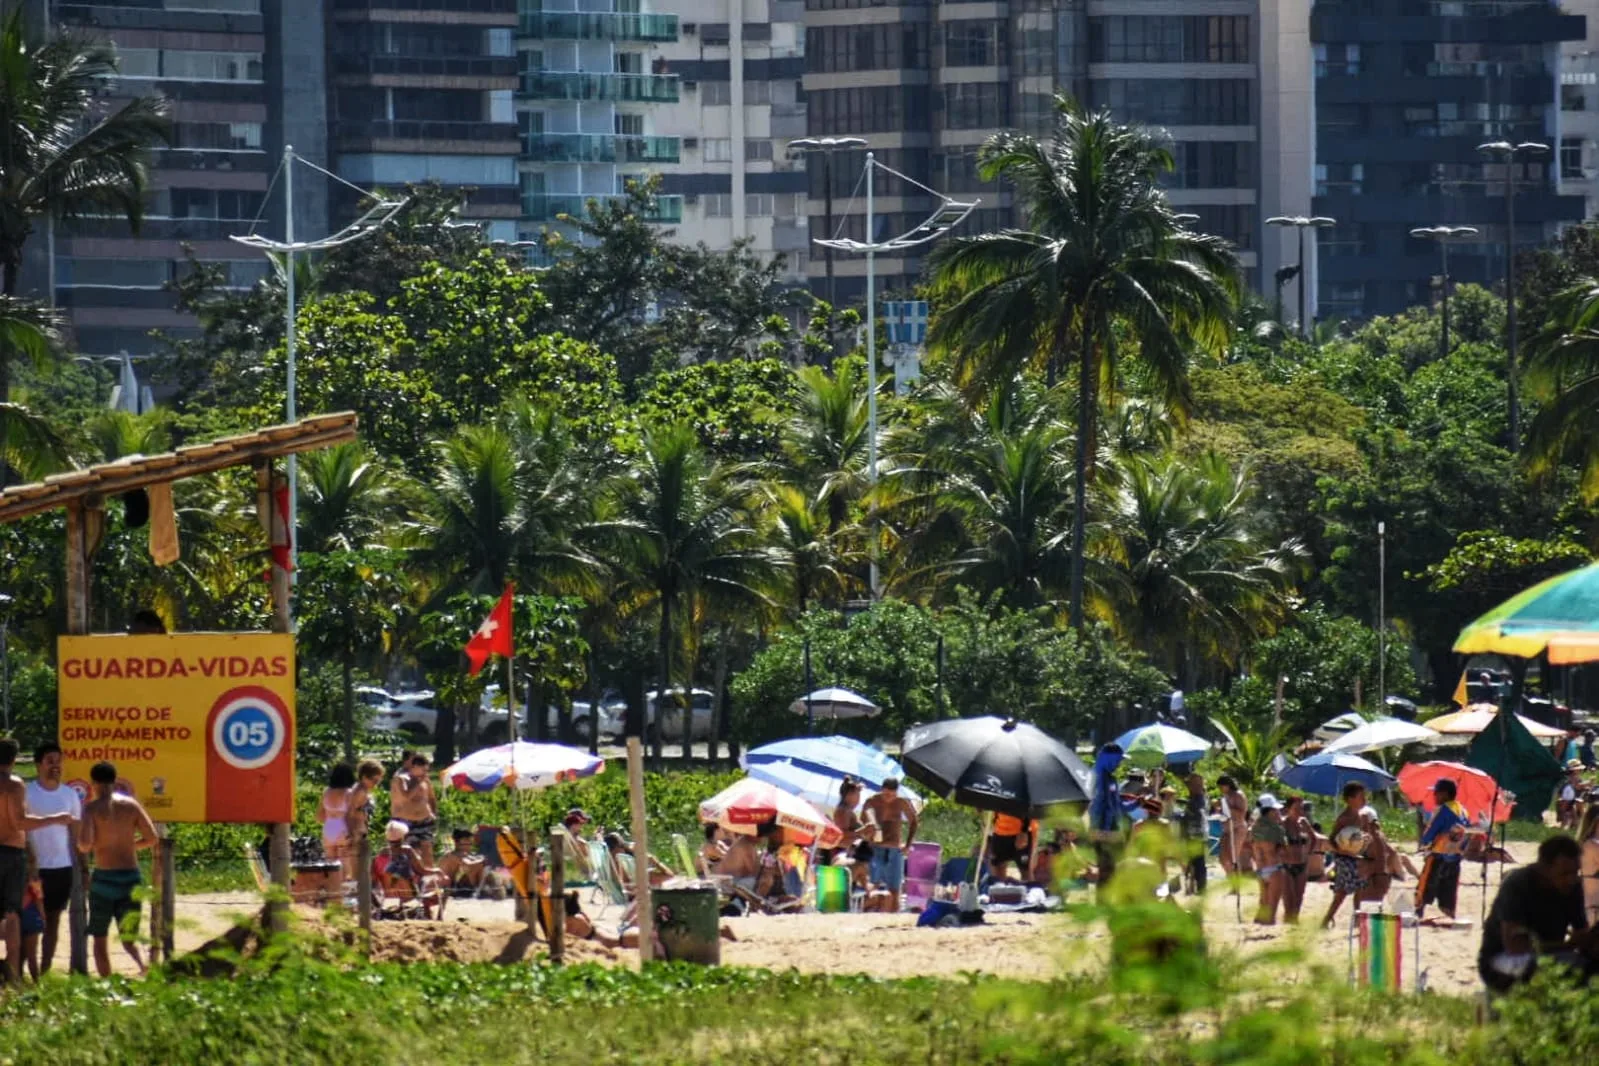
<point x="397" y="831"/>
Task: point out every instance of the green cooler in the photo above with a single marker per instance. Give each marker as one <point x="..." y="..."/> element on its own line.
<point x="688" y="923"/>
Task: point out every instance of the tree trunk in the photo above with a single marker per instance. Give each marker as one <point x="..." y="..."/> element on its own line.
<point x="563" y="719"/>
<point x="719" y="696"/>
<point x="444" y="735"/>
<point x="688" y="706"/>
<point x="1085" y="415"/>
<point x="593" y="687"/>
<point x="664" y="686"/>
<point x="349" y="711"/>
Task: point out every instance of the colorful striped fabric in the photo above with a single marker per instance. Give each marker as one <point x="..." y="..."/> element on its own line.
<point x="1380" y="953"/>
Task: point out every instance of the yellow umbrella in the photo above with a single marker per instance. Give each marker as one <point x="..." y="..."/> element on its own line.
<point x="1479" y="716"/>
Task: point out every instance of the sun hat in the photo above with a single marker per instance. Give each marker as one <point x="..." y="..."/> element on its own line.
<point x="1268" y="802"/>
<point x="1573" y="764"/>
<point x="397" y="831"/>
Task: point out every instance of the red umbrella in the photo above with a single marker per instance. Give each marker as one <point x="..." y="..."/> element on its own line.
<point x="1474" y="790"/>
<point x="748" y="802"/>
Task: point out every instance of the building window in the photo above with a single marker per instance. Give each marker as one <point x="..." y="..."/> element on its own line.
<point x="1335" y="178"/>
<point x="1178" y="101"/>
<point x="977" y="105"/>
<point x="758" y="205"/>
<point x="1169" y="39"/>
<point x="1212" y="165"/>
<point x="630" y="125"/>
<point x="716" y="93"/>
<point x="211" y="66"/>
<point x="113" y="273"/>
<point x="1335" y="60"/>
<point x="757" y="92"/>
<point x="217" y="136"/>
<point x="716" y="150"/>
<point x="226" y="204"/>
<point x="1571" y="159"/>
<point x="1572" y="98"/>
<point x="873" y="109"/>
<point x="1235" y="222"/>
<point x="974" y="43"/>
<point x="139" y="62"/>
<point x="718" y="205"/>
<point x="879" y="46"/>
<point x="758" y="150"/>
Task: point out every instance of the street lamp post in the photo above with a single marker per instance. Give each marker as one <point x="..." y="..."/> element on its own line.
<point x="1382" y="617"/>
<point x="1443" y="235"/>
<point x="946" y="216"/>
<point x="368" y="223"/>
<point x="1301" y="223"/>
<point x="825" y="147"/>
<point x="1509" y="153"/>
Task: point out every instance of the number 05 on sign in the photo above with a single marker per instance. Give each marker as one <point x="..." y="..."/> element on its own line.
<point x="199" y="725"/>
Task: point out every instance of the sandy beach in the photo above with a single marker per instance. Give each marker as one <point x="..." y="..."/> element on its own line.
<point x="1024" y="946"/>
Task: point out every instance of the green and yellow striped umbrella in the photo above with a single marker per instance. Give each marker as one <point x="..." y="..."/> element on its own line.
<point x="1559" y="616"/>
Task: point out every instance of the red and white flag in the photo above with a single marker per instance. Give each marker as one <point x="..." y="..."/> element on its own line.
<point x="493" y="637"/>
<point x="282" y="534"/>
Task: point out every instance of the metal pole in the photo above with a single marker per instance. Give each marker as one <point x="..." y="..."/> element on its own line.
<point x="1302" y="333"/>
<point x="871" y="360"/>
<point x="1382" y="616"/>
<point x="291" y="520"/>
<point x="827" y="210"/>
<point x="1510" y="300"/>
<point x="1443" y="246"/>
<point x="810" y="689"/>
<point x="557" y="930"/>
<point x="5" y="671"/>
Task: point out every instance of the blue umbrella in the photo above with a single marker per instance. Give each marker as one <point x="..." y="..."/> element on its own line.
<point x="1326" y="774"/>
<point x="1152" y="745"/>
<point x="838" y="757"/>
<point x="815" y="786"/>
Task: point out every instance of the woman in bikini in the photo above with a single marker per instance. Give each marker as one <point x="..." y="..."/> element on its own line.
<point x="1235" y="848"/>
<point x="1267" y="840"/>
<point x="1298" y="839"/>
<point x="1376" y="862"/>
<point x="333" y="813"/>
<point x="1588" y="837"/>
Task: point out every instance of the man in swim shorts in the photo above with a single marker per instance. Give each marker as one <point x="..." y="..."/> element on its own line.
<point x="411" y="800"/>
<point x="15" y="823"/>
<point x="115" y="829"/>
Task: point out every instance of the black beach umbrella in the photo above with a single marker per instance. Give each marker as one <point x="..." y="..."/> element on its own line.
<point x="996" y="764"/>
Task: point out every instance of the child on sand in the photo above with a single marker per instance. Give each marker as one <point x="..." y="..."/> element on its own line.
<point x="32" y="916"/>
<point x="1348" y="843"/>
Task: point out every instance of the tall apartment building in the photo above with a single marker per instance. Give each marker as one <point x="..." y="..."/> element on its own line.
<point x="422" y="90"/>
<point x="1579" y="111"/>
<point x="927" y="85"/>
<point x="209" y="57"/>
<point x="1406" y="90"/>
<point x="740" y="64"/>
<point x="592" y="90"/>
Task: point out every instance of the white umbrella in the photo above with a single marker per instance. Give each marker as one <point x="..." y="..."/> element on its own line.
<point x="520" y="765"/>
<point x="835" y="703"/>
<point x="817" y="787"/>
<point x="748" y="802"/>
<point x="1333" y="728"/>
<point x="1381" y="733"/>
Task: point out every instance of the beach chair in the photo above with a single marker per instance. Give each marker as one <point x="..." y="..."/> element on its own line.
<point x="685" y="856"/>
<point x="579" y="862"/>
<point x="258" y="869"/>
<point x="608" y="883"/>
<point x="403" y="898"/>
<point x="921" y="874"/>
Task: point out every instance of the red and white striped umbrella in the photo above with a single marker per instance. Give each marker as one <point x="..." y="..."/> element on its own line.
<point x="748" y="803"/>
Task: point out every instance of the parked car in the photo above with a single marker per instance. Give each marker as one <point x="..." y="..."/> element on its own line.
<point x="409" y="713"/>
<point x="494" y="723"/>
<point x="668" y="720"/>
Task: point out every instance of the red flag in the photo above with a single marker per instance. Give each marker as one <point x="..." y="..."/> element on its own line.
<point x="493" y="637"/>
<point x="282" y="535"/>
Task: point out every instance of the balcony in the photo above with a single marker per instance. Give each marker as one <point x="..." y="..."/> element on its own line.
<point x="427" y="66"/>
<point x="598" y="26"/>
<point x="546" y="207"/>
<point x="572" y="85"/>
<point x="598" y="148"/>
<point x="476" y="7"/>
<point x="413" y="130"/>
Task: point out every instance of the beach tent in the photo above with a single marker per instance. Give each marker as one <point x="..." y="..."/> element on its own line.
<point x="1520" y="763"/>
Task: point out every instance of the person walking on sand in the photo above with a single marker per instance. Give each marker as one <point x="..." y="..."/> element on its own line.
<point x="412" y="801"/>
<point x="1267" y="840"/>
<point x="1298" y="838"/>
<point x="15" y="824"/>
<point x="1588" y="838"/>
<point x="890" y="811"/>
<point x="1195" y="833"/>
<point x="1235" y="852"/>
<point x="1377" y="862"/>
<point x="1446" y="839"/>
<point x="115" y="829"/>
<point x="53" y="846"/>
<point x="1348" y="842"/>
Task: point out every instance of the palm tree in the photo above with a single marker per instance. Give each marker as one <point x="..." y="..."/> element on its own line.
<point x="470" y="520"/>
<point x="1198" y="579"/>
<point x="63" y="152"/>
<point x="1562" y="374"/>
<point x="1105" y="250"/>
<point x="826" y="444"/>
<point x="347" y="500"/>
<point x="676" y="528"/>
<point x="807" y="549"/>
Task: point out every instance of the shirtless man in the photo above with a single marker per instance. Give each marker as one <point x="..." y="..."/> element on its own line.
<point x="15" y="823"/>
<point x="115" y="829"/>
<point x="411" y="800"/>
<point x="888" y="810"/>
<point x="743" y="860"/>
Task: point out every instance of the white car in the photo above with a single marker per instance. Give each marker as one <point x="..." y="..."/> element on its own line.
<point x="401" y="712"/>
<point x="669" y="720"/>
<point x="494" y="724"/>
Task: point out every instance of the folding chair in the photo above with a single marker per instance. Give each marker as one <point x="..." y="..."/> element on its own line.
<point x="258" y="869"/>
<point x="685" y="857"/>
<point x="832" y="889"/>
<point x="921" y="874"/>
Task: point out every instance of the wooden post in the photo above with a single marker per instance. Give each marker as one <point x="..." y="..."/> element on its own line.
<point x="557" y="899"/>
<point x="169" y="898"/>
<point x="530" y="901"/>
<point x="641" y="851"/>
<point x="77" y="625"/>
<point x="266" y="503"/>
<point x="363" y="887"/>
<point x="158" y="893"/>
<point x="1277" y="703"/>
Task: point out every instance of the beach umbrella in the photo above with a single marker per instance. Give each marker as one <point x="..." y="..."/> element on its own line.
<point x="835" y="703"/>
<point x="1559" y="616"/>
<point x="749" y="802"/>
<point x="1327" y="773"/>
<point x="815" y="787"/>
<point x="839" y="757"/>
<point x="1153" y="745"/>
<point x="1479" y="716"/>
<point x="1333" y="728"/>
<point x="520" y="765"/>
<point x="1381" y="733"/>
<point x="1474" y="790"/>
<point x="996" y="764"/>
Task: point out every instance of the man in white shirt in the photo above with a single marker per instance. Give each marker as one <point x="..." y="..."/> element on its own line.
<point x="54" y="846"/>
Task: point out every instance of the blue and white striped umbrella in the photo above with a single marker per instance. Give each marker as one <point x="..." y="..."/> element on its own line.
<point x="838" y="757"/>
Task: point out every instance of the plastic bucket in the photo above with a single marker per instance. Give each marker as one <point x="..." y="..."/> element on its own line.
<point x="832" y="889"/>
<point x="688" y="924"/>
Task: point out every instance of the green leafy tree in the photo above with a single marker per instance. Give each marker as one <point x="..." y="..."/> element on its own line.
<point x="1322" y="658"/>
<point x="347" y="500"/>
<point x="825" y="448"/>
<point x="347" y="603"/>
<point x="1105" y="250"/>
<point x="738" y="408"/>
<point x="553" y="655"/>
